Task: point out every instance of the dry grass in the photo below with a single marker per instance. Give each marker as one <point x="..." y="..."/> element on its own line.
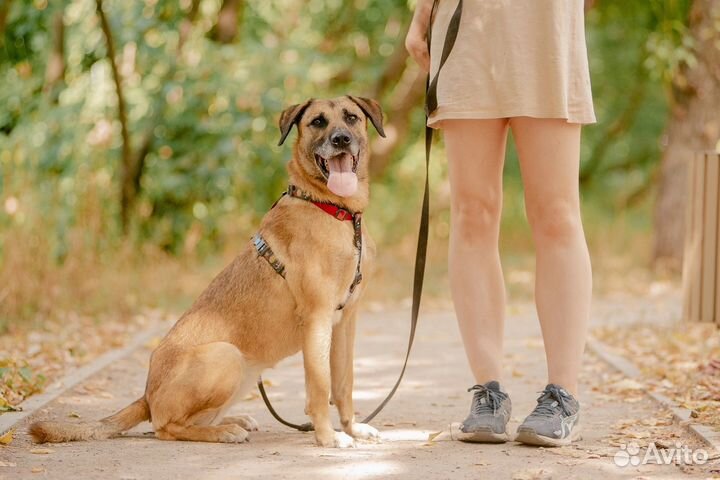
<point x="35" y="288"/>
<point x="64" y="303"/>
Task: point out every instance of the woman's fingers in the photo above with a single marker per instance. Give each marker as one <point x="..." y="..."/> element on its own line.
<point x="415" y="42"/>
<point x="417" y="48"/>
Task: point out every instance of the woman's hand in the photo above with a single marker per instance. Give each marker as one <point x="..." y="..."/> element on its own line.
<point x="416" y="40"/>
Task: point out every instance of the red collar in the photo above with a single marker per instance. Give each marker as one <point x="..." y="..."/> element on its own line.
<point x="337" y="212"/>
<point x="329" y="208"/>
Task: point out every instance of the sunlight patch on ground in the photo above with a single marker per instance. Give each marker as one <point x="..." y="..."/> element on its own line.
<point x="364" y="469"/>
<point x="404" y="434"/>
<point x="367" y="395"/>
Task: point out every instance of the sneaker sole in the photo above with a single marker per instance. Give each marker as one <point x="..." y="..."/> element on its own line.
<point x="483" y="436"/>
<point x="531" y="437"/>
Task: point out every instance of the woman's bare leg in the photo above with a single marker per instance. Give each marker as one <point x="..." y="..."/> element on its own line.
<point x="476" y="153"/>
<point x="549" y="151"/>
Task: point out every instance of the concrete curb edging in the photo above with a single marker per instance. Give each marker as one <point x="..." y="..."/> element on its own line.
<point x="681" y="415"/>
<point x="9" y="419"/>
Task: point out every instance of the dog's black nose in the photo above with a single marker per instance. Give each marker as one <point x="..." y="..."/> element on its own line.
<point x="340" y="138"/>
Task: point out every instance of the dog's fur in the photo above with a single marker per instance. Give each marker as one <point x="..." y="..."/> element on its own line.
<point x="249" y="318"/>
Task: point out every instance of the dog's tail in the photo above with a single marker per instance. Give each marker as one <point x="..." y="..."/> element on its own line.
<point x="125" y="419"/>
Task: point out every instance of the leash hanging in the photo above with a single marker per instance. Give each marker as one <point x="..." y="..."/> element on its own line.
<point x="421" y="252"/>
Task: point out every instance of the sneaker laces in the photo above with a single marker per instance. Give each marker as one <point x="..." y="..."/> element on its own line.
<point x="548" y="402"/>
<point x="493" y="399"/>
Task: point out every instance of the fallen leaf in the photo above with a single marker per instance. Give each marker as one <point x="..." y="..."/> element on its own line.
<point x="41" y="451"/>
<point x="5" y="405"/>
<point x="433" y="435"/>
<point x="7" y="437"/>
<point x="627" y="384"/>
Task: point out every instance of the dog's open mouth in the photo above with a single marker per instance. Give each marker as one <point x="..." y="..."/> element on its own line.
<point x="340" y="172"/>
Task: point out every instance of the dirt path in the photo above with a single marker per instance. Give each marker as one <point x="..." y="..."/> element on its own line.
<point x="432" y="396"/>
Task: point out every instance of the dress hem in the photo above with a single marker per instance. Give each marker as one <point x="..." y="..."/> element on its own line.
<point x="435" y="119"/>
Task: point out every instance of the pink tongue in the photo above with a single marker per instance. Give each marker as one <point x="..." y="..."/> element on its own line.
<point x="342" y="180"/>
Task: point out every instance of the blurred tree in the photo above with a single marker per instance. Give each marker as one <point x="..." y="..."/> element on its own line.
<point x="129" y="166"/>
<point x="403" y="83"/>
<point x="694" y="123"/>
<point x="55" y="70"/>
<point x="4" y="10"/>
<point x="229" y="17"/>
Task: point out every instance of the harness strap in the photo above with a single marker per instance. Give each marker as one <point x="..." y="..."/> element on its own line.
<point x="266" y="252"/>
<point x="337" y="212"/>
<point x="420" y="256"/>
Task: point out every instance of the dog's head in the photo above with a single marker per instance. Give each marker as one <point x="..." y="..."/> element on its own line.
<point x="332" y="145"/>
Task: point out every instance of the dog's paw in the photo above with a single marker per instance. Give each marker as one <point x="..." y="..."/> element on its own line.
<point x="245" y="421"/>
<point x="343" y="440"/>
<point x="232" y="434"/>
<point x="364" y="431"/>
<point x="336" y="440"/>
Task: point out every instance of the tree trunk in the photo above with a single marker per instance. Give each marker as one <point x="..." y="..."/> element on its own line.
<point x="133" y="162"/>
<point x="694" y="126"/>
<point x="408" y="95"/>
<point x="407" y="83"/>
<point x="4" y="11"/>
<point x="55" y="70"/>
<point x="160" y="105"/>
<point x="127" y="190"/>
<point x="226" y="28"/>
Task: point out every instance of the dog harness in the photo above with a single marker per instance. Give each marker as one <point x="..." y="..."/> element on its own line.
<point x="341" y="214"/>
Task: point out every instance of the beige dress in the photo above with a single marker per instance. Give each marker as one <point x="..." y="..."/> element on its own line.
<point x="513" y="58"/>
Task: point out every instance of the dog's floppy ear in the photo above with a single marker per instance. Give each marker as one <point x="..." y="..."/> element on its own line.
<point x="291" y="116"/>
<point x="372" y="110"/>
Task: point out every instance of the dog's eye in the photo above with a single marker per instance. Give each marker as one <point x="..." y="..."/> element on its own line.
<point x="351" y="117"/>
<point x="318" y="122"/>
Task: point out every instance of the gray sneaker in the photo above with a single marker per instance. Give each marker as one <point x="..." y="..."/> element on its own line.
<point x="555" y="420"/>
<point x="489" y="415"/>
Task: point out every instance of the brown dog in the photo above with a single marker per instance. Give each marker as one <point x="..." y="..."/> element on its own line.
<point x="250" y="317"/>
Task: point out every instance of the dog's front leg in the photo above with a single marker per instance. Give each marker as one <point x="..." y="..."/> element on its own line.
<point x="341" y="367"/>
<point x="317" y="335"/>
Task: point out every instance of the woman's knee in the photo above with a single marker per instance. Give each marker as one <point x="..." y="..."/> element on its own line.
<point x="555" y="220"/>
<point x="477" y="218"/>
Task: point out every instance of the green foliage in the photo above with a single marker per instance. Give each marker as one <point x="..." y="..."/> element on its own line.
<point x="210" y="110"/>
<point x="634" y="49"/>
